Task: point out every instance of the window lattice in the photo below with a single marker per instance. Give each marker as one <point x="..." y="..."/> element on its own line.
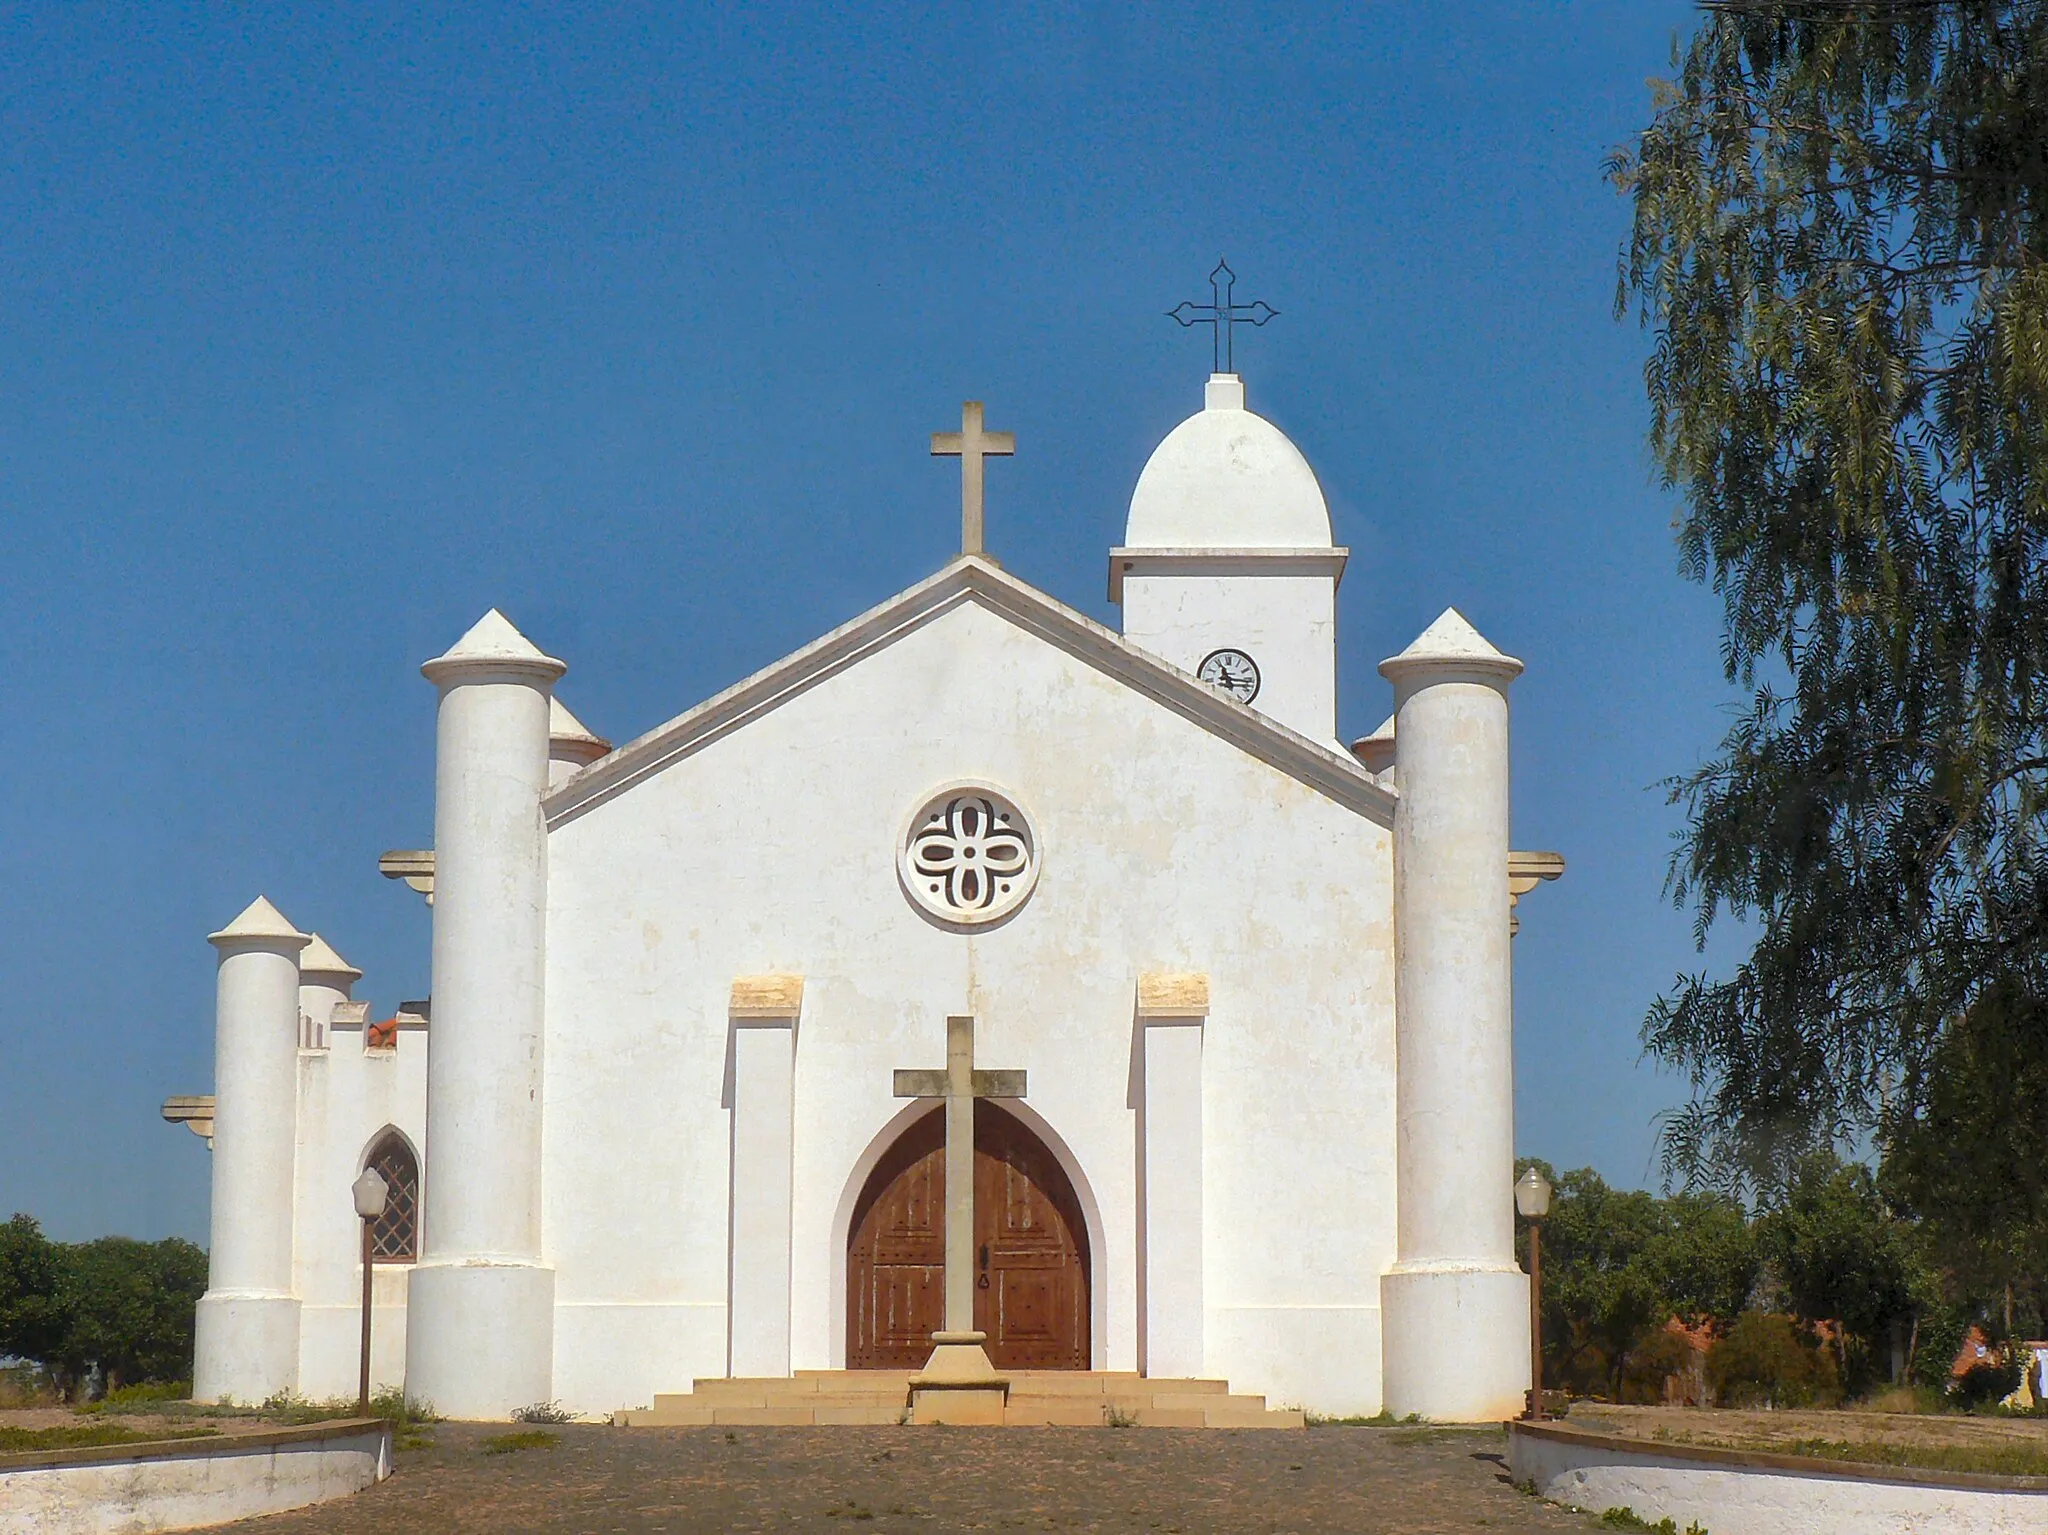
<point x="969" y="856"/>
<point x="395" y="1235"/>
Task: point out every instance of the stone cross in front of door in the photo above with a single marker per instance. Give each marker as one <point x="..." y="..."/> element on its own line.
<point x="959" y="1084"/>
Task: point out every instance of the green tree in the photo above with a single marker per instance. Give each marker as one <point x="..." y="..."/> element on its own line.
<point x="1838" y="245"/>
<point x="1967" y="1161"/>
<point x="130" y="1307"/>
<point x="1844" y="1258"/>
<point x="32" y="1303"/>
<point x="1620" y="1263"/>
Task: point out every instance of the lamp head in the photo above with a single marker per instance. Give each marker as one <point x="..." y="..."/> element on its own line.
<point x="1532" y="1194"/>
<point x="370" y="1191"/>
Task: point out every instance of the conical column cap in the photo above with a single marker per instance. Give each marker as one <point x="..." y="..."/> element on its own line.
<point x="569" y="738"/>
<point x="261" y="925"/>
<point x="493" y="644"/>
<point x="319" y="958"/>
<point x="1376" y="751"/>
<point x="1451" y="644"/>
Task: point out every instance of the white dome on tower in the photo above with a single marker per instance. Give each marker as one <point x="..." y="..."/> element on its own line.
<point x="1227" y="479"/>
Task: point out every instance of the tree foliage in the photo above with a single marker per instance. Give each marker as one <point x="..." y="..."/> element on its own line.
<point x="32" y="1274"/>
<point x="115" y="1306"/>
<point x="1619" y="1263"/>
<point x="130" y="1308"/>
<point x="1844" y="1258"/>
<point x="1832" y="1259"/>
<point x="1838" y="246"/>
<point x="1966" y="1158"/>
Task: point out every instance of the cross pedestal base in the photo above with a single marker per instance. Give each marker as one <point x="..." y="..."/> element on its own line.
<point x="958" y="1383"/>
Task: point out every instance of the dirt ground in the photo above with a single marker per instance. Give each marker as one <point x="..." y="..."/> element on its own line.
<point x="596" y="1480"/>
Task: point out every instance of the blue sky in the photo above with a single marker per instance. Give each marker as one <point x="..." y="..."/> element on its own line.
<point x="326" y="330"/>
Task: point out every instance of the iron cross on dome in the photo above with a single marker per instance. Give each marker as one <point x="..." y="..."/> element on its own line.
<point x="971" y="445"/>
<point x="1222" y="316"/>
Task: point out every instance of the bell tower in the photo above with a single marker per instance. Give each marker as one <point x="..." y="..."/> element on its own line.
<point x="1228" y="570"/>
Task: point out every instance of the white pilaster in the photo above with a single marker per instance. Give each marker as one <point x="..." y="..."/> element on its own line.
<point x="1455" y="1275"/>
<point x="247" y="1346"/>
<point x="1172" y="1011"/>
<point x="763" y="1022"/>
<point x="480" y="1332"/>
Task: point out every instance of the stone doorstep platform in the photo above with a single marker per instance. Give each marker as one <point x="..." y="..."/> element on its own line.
<point x="1038" y="1398"/>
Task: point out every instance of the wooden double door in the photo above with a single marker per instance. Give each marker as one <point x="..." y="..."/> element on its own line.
<point x="1030" y="1251"/>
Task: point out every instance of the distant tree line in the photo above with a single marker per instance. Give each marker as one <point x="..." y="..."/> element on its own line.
<point x="1831" y="1290"/>
<point x="107" y="1313"/>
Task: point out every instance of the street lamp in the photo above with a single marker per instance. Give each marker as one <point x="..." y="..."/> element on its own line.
<point x="1532" y="1200"/>
<point x="370" y="1192"/>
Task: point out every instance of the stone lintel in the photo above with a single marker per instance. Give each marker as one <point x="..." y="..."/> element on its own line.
<point x="766" y="996"/>
<point x="1167" y="994"/>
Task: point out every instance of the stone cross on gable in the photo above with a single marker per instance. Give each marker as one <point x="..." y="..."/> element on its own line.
<point x="959" y="1084"/>
<point x="971" y="445"/>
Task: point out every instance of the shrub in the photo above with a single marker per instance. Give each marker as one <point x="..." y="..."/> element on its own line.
<point x="1984" y="1384"/>
<point x="1767" y="1361"/>
<point x="543" y="1412"/>
<point x="1658" y="1355"/>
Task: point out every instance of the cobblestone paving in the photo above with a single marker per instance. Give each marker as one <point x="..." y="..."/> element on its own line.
<point x="596" y="1481"/>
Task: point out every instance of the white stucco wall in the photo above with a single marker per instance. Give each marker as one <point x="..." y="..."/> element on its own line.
<point x="1287" y="624"/>
<point x="140" y="1488"/>
<point x="348" y="1096"/>
<point x="1164" y="848"/>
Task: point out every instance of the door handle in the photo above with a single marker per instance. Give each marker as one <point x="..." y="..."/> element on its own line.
<point x="984" y="1255"/>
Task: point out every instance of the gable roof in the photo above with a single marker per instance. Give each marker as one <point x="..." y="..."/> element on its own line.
<point x="970" y="579"/>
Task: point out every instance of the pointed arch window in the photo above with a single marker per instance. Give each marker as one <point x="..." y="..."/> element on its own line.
<point x="395" y="1235"/>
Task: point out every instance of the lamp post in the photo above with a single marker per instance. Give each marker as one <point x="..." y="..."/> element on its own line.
<point x="1532" y="1201"/>
<point x="370" y="1192"/>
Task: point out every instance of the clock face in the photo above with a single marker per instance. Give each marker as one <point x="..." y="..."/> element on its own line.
<point x="1232" y="672"/>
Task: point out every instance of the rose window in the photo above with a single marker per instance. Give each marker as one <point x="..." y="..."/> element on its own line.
<point x="969" y="856"/>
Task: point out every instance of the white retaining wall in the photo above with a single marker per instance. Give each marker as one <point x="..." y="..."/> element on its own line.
<point x="1733" y="1492"/>
<point x="129" y="1489"/>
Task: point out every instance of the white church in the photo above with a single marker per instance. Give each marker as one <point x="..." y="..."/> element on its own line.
<point x="1237" y="1000"/>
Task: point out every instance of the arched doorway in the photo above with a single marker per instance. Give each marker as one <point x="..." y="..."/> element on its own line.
<point x="1030" y="1251"/>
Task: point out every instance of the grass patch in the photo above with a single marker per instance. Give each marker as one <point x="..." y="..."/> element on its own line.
<point x="1625" y="1518"/>
<point x="525" y="1439"/>
<point x="152" y="1396"/>
<point x="402" y="1412"/>
<point x="86" y="1435"/>
<point x="1380" y="1419"/>
<point x="1988" y="1459"/>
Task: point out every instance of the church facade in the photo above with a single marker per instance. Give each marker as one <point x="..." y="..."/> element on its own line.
<point x="1239" y="997"/>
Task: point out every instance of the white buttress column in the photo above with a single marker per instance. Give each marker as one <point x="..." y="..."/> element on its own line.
<point x="1455" y="1305"/>
<point x="325" y="980"/>
<point x="571" y="746"/>
<point x="247" y="1346"/>
<point x="480" y="1303"/>
<point x="763" y="1022"/>
<point x="1172" y="1011"/>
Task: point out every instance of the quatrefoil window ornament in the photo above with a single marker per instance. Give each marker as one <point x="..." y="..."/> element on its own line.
<point x="969" y="857"/>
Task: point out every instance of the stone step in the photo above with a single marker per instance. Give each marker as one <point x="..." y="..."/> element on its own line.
<point x="1070" y="1398"/>
<point x="1103" y="1384"/>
